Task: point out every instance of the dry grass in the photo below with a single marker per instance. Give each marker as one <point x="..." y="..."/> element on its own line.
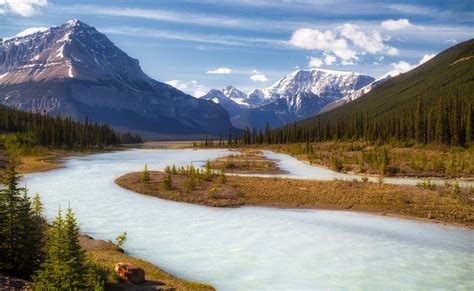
<point x="412" y="201"/>
<point x="222" y="196"/>
<point x="405" y="160"/>
<point x="249" y="162"/>
<point x="107" y="255"/>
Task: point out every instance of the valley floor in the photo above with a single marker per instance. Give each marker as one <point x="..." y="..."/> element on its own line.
<point x="438" y="204"/>
<point x="104" y="253"/>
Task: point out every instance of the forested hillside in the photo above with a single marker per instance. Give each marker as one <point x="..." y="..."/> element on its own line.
<point x="430" y="104"/>
<point x="62" y="133"/>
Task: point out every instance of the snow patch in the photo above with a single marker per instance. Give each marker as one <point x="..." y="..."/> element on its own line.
<point x="28" y="31"/>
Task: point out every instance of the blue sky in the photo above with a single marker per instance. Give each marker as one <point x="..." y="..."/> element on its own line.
<point x="201" y="44"/>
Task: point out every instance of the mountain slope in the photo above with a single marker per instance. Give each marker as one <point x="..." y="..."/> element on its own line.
<point x="75" y="71"/>
<point x="298" y="95"/>
<point x="364" y="90"/>
<point x="431" y="103"/>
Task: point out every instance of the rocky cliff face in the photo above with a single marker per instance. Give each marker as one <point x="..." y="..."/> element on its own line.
<point x="76" y="71"/>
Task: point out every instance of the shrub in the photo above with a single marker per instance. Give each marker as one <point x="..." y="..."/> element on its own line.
<point x="121" y="239"/>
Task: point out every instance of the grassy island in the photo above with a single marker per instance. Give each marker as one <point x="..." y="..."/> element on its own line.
<point x="448" y="204"/>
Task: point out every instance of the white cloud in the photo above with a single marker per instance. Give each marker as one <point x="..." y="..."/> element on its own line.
<point x="24" y="8"/>
<point x="403" y="66"/>
<point x="426" y="58"/>
<point x="327" y="41"/>
<point x="258" y="77"/>
<point x="177" y="84"/>
<point x="329" y="60"/>
<point x="192" y="87"/>
<point x="315" y="62"/>
<point x="391" y="51"/>
<point x="346" y="42"/>
<point x="451" y="40"/>
<point x="222" y="70"/>
<point x="399" y="24"/>
<point x="371" y="42"/>
<point x="200" y="91"/>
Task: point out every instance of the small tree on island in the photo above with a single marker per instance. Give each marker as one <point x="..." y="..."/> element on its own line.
<point x="165" y="184"/>
<point x="145" y="179"/>
<point x="208" y="171"/>
<point x="222" y="177"/>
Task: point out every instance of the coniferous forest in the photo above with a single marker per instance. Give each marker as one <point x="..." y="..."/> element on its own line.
<point x="56" y="132"/>
<point x="433" y="103"/>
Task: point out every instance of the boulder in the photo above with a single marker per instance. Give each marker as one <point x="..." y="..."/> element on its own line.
<point x="130" y="273"/>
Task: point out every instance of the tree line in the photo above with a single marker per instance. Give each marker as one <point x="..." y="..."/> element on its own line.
<point x="57" y="132"/>
<point x="29" y="249"/>
<point x="447" y="121"/>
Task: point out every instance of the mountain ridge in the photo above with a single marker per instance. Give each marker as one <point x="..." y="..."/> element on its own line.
<point x="76" y="71"/>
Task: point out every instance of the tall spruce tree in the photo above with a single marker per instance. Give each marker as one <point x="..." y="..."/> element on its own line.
<point x="66" y="266"/>
<point x="21" y="230"/>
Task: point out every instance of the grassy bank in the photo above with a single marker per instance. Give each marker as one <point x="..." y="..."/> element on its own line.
<point x="106" y="254"/>
<point x="402" y="160"/>
<point x="443" y="204"/>
<point x="249" y="161"/>
<point x="405" y="159"/>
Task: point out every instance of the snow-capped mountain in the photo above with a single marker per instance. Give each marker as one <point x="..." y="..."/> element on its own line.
<point x="76" y="71"/>
<point x="362" y="91"/>
<point x="305" y="92"/>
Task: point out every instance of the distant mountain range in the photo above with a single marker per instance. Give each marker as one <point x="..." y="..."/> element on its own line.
<point x="298" y="95"/>
<point x="432" y="103"/>
<point x="74" y="70"/>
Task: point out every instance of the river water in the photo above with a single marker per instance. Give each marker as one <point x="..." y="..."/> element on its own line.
<point x="251" y="248"/>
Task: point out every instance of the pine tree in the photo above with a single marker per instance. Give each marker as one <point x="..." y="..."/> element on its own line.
<point x="145" y="179"/>
<point x="165" y="184"/>
<point x="66" y="266"/>
<point x="37" y="205"/>
<point x="21" y="231"/>
<point x="469" y="126"/>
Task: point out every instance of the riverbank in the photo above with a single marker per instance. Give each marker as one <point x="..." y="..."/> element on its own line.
<point x="403" y="159"/>
<point x="106" y="254"/>
<point x="438" y="204"/>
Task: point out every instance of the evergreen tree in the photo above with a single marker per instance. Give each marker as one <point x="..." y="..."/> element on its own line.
<point x="469" y="126"/>
<point x="145" y="179"/>
<point x="66" y="266"/>
<point x="21" y="231"/>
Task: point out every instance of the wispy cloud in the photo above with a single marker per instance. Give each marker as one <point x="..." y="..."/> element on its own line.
<point x="24" y="8"/>
<point x="221" y="71"/>
<point x="258" y="76"/>
<point x="202" y="38"/>
<point x="193" y="18"/>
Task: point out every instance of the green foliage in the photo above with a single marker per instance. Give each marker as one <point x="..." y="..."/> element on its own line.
<point x="188" y="185"/>
<point x="37" y="205"/>
<point x="145" y="178"/>
<point x="121" y="239"/>
<point x="456" y="189"/>
<point x="21" y="229"/>
<point x="429" y="104"/>
<point x="166" y="183"/>
<point x="54" y="132"/>
<point x="222" y="177"/>
<point x="336" y="164"/>
<point x="208" y="171"/>
<point x="66" y="266"/>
